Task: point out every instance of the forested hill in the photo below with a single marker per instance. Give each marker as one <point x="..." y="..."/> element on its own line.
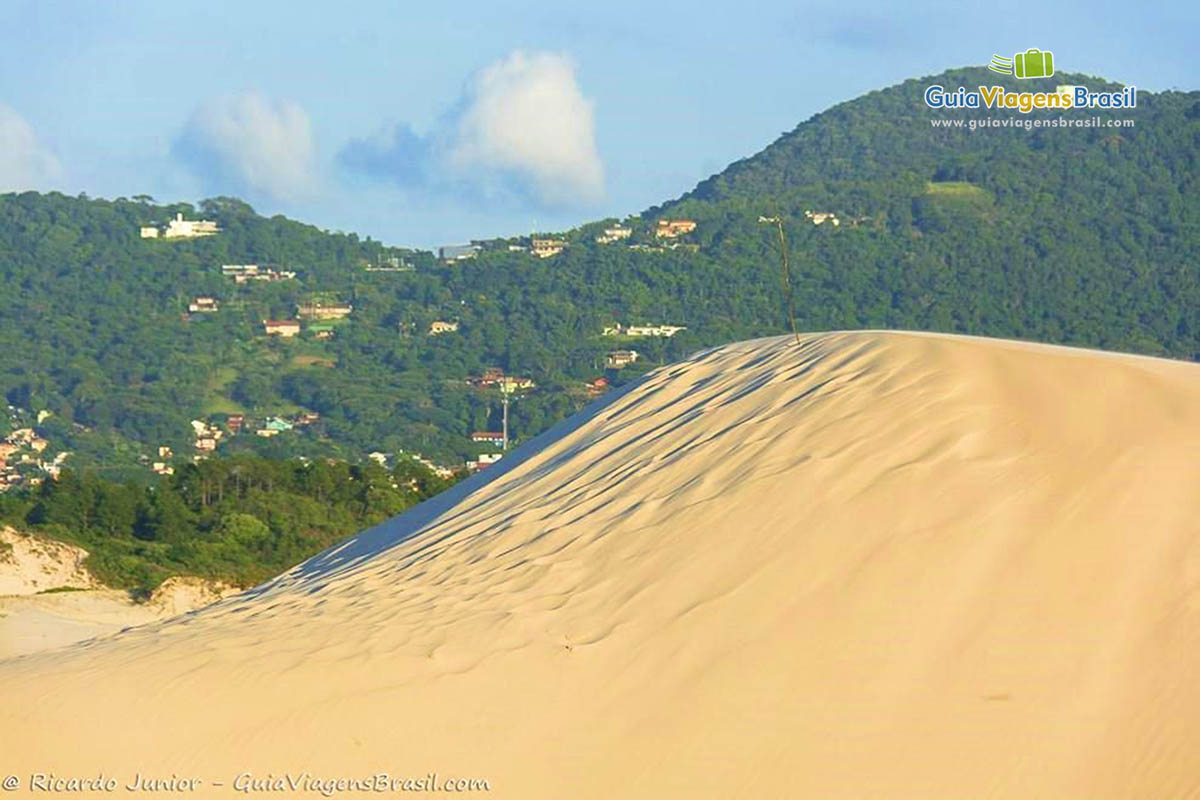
<point x="1078" y="236"/>
<point x="1084" y="236"/>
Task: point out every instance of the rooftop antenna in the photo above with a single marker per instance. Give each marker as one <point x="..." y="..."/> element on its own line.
<point x="784" y="269"/>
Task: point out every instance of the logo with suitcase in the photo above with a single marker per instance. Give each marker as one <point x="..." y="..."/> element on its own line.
<point x="1033" y="63"/>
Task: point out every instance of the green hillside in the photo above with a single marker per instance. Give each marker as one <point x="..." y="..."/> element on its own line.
<point x="1077" y="236"/>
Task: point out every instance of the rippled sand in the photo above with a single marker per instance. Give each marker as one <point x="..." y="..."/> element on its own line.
<point x="870" y="565"/>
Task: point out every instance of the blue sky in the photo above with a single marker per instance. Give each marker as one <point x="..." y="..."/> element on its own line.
<point x="424" y="124"/>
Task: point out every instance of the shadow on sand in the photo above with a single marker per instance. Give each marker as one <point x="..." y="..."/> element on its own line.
<point x="312" y="574"/>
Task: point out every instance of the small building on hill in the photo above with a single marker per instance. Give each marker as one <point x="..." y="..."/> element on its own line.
<point x="670" y="228"/>
<point x="820" y="217"/>
<point x="619" y="359"/>
<point x="321" y="330"/>
<point x="286" y="328"/>
<point x="666" y="331"/>
<point x="438" y="327"/>
<point x="545" y="248"/>
<point x="597" y="386"/>
<point x="458" y="252"/>
<point x="180" y="228"/>
<point x="488" y="437"/>
<point x="323" y="310"/>
<point x="614" y="234"/>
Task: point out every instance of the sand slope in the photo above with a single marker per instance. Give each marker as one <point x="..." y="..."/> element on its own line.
<point x="32" y="623"/>
<point x="34" y="616"/>
<point x="873" y="565"/>
<point x="31" y="564"/>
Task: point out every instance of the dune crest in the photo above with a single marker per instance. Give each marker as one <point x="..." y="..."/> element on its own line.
<point x="869" y="565"/>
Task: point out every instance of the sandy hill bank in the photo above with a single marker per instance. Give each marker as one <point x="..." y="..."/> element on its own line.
<point x="871" y="565"/>
<point x="36" y="614"/>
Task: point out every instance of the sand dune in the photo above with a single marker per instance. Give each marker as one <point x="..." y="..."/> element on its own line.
<point x="870" y="565"/>
<point x="36" y="614"/>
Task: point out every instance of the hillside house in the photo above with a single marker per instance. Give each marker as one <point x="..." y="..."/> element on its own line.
<point x="438" y="327"/>
<point x="490" y="377"/>
<point x="162" y="468"/>
<point x="235" y="423"/>
<point x="619" y="359"/>
<point x="204" y="305"/>
<point x="545" y="248"/>
<point x="597" y="386"/>
<point x="286" y="328"/>
<point x="614" y="234"/>
<point x="820" y="217"/>
<point x="670" y="228"/>
<point x="666" y="331"/>
<point x="306" y="418"/>
<point x="206" y="444"/>
<point x="483" y="461"/>
<point x="180" y="228"/>
<point x="21" y="436"/>
<point x="240" y="270"/>
<point x="165" y="452"/>
<point x="244" y="273"/>
<point x="322" y="330"/>
<point x="148" y="231"/>
<point x="458" y="252"/>
<point x="323" y="311"/>
<point x="643" y="330"/>
<point x="391" y="264"/>
<point x="488" y="437"/>
<point x="511" y="383"/>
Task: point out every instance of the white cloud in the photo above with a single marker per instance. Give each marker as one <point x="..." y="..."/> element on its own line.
<point x="525" y="115"/>
<point x="522" y="125"/>
<point x="24" y="162"/>
<point x="250" y="143"/>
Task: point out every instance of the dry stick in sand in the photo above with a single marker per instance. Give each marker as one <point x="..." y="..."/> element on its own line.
<point x="785" y="271"/>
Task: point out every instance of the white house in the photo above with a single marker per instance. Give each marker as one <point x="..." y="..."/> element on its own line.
<point x="621" y="358"/>
<point x="614" y="234"/>
<point x="821" y="216"/>
<point x="180" y="228"/>
<point x="654" y="330"/>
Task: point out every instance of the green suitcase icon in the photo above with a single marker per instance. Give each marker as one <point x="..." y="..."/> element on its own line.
<point x="1034" y="63"/>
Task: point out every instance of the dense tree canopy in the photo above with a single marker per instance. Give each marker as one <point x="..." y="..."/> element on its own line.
<point x="239" y="519"/>
<point x="1078" y="236"/>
